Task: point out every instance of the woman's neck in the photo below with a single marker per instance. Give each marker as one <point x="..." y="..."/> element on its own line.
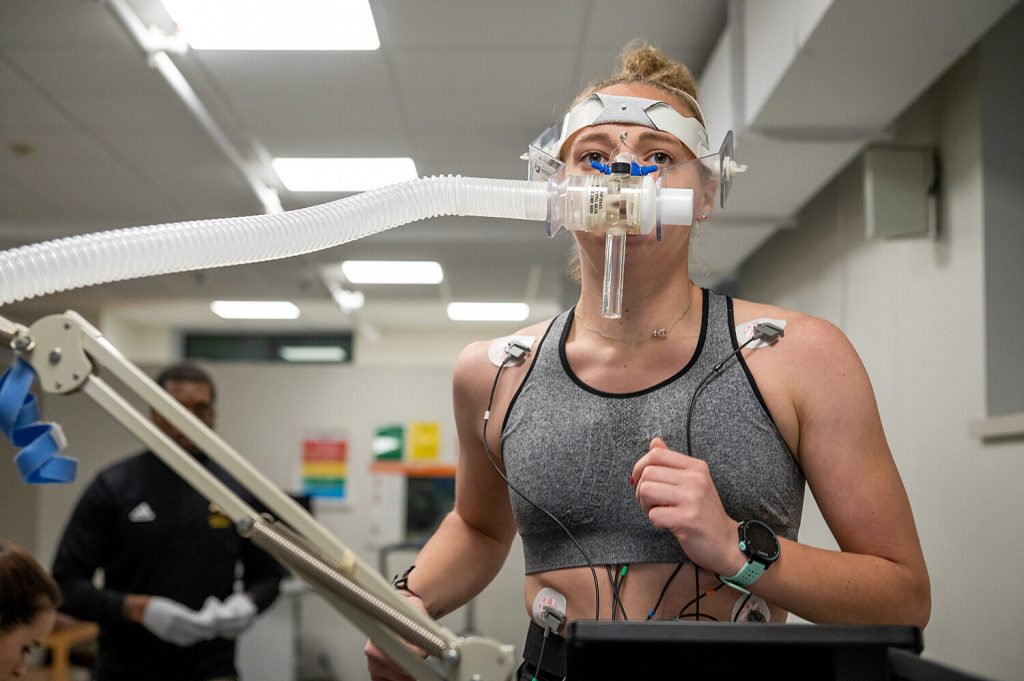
<point x="649" y="304"/>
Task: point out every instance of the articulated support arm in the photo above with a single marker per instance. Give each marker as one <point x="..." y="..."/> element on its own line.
<point x="65" y="350"/>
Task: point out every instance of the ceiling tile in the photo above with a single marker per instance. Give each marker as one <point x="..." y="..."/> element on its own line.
<point x="61" y="70"/>
<point x="461" y="112"/>
<point x="19" y="200"/>
<point x="470" y="23"/>
<point x="11" y="82"/>
<point x="510" y="72"/>
<point x="296" y="73"/>
<point x="30" y="113"/>
<point x="159" y="113"/>
<point x="323" y="119"/>
<point x="60" y="23"/>
<point x="685" y="30"/>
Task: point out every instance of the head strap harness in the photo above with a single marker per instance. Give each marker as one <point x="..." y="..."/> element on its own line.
<point x="598" y="109"/>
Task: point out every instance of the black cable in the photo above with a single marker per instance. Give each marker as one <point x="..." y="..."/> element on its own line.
<point x="694" y="616"/>
<point x="615" y="583"/>
<point x="697" y="599"/>
<point x="664" y="590"/>
<point x="620" y="578"/>
<point x="700" y="386"/>
<point x="540" y="658"/>
<point x="689" y="444"/>
<point x="494" y="465"/>
<point x="696" y="586"/>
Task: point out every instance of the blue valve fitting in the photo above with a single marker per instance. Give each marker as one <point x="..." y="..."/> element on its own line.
<point x="635" y="168"/>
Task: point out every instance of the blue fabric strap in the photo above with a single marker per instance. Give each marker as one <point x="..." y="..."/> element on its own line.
<point x="38" y="461"/>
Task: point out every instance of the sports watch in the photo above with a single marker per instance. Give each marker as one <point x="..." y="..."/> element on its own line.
<point x="761" y="547"/>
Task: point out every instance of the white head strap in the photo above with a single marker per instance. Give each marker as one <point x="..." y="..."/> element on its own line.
<point x="651" y="113"/>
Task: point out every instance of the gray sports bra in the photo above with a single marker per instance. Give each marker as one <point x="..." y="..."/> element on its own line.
<point x="571" y="449"/>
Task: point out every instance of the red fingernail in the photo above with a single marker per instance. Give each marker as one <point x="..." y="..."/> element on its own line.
<point x="631" y="482"/>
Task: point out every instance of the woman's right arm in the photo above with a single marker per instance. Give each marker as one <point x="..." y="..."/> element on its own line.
<point x="472" y="542"/>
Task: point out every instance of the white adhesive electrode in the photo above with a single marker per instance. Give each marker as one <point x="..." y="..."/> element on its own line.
<point x="745" y="331"/>
<point x="496" y="351"/>
<point x="547" y="597"/>
<point x="752" y="609"/>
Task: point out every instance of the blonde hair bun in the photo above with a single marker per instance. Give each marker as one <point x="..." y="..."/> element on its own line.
<point x="642" y="62"/>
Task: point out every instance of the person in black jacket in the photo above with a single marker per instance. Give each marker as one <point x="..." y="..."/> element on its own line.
<point x="168" y="607"/>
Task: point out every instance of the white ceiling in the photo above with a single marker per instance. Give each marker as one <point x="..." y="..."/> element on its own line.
<point x="91" y="138"/>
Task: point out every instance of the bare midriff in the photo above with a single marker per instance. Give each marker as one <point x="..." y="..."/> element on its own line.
<point x="638" y="593"/>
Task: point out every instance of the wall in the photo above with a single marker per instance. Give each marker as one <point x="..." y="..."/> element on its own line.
<point x="15" y="524"/>
<point x="915" y="310"/>
<point x="1002" y="82"/>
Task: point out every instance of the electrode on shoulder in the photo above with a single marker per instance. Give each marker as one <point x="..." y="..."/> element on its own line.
<point x="509" y="350"/>
<point x="761" y="332"/>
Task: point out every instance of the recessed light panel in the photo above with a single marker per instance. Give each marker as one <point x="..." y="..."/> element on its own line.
<point x="488" y="312"/>
<point x="392" y="271"/>
<point x="275" y="24"/>
<point x="342" y="174"/>
<point x="255" y="309"/>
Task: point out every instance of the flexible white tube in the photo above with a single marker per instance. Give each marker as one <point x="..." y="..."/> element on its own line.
<point x="135" y="252"/>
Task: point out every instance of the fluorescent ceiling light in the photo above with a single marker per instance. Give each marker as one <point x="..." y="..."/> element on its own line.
<point x="275" y="25"/>
<point x="488" y="312"/>
<point x="342" y="174"/>
<point x="312" y="353"/>
<point x="392" y="271"/>
<point x="255" y="309"/>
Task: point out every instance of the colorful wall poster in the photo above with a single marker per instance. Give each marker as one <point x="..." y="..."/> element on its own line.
<point x="424" y="441"/>
<point x="325" y="467"/>
<point x="388" y="442"/>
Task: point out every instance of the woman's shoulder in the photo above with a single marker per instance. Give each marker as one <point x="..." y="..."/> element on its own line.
<point x="814" y="340"/>
<point x="806" y="325"/>
<point x="476" y="365"/>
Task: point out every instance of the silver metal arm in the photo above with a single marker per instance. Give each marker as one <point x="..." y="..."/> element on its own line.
<point x="64" y="349"/>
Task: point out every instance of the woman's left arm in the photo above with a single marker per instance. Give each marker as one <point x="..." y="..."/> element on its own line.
<point x="879" y="576"/>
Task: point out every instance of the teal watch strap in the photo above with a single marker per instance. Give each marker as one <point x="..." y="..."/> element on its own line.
<point x="748" y="574"/>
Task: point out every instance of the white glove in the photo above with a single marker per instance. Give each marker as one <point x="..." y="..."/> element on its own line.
<point x="173" y="622"/>
<point x="233" y="616"/>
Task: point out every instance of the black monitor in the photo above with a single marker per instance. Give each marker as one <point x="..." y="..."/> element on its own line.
<point x="712" y="650"/>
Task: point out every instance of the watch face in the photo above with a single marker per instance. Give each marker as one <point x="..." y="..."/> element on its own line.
<point x="761" y="541"/>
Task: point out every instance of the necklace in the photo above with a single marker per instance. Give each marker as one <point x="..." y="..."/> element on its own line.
<point x="659" y="332"/>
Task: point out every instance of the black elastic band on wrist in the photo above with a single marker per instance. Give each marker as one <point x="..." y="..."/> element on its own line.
<point x="401" y="582"/>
